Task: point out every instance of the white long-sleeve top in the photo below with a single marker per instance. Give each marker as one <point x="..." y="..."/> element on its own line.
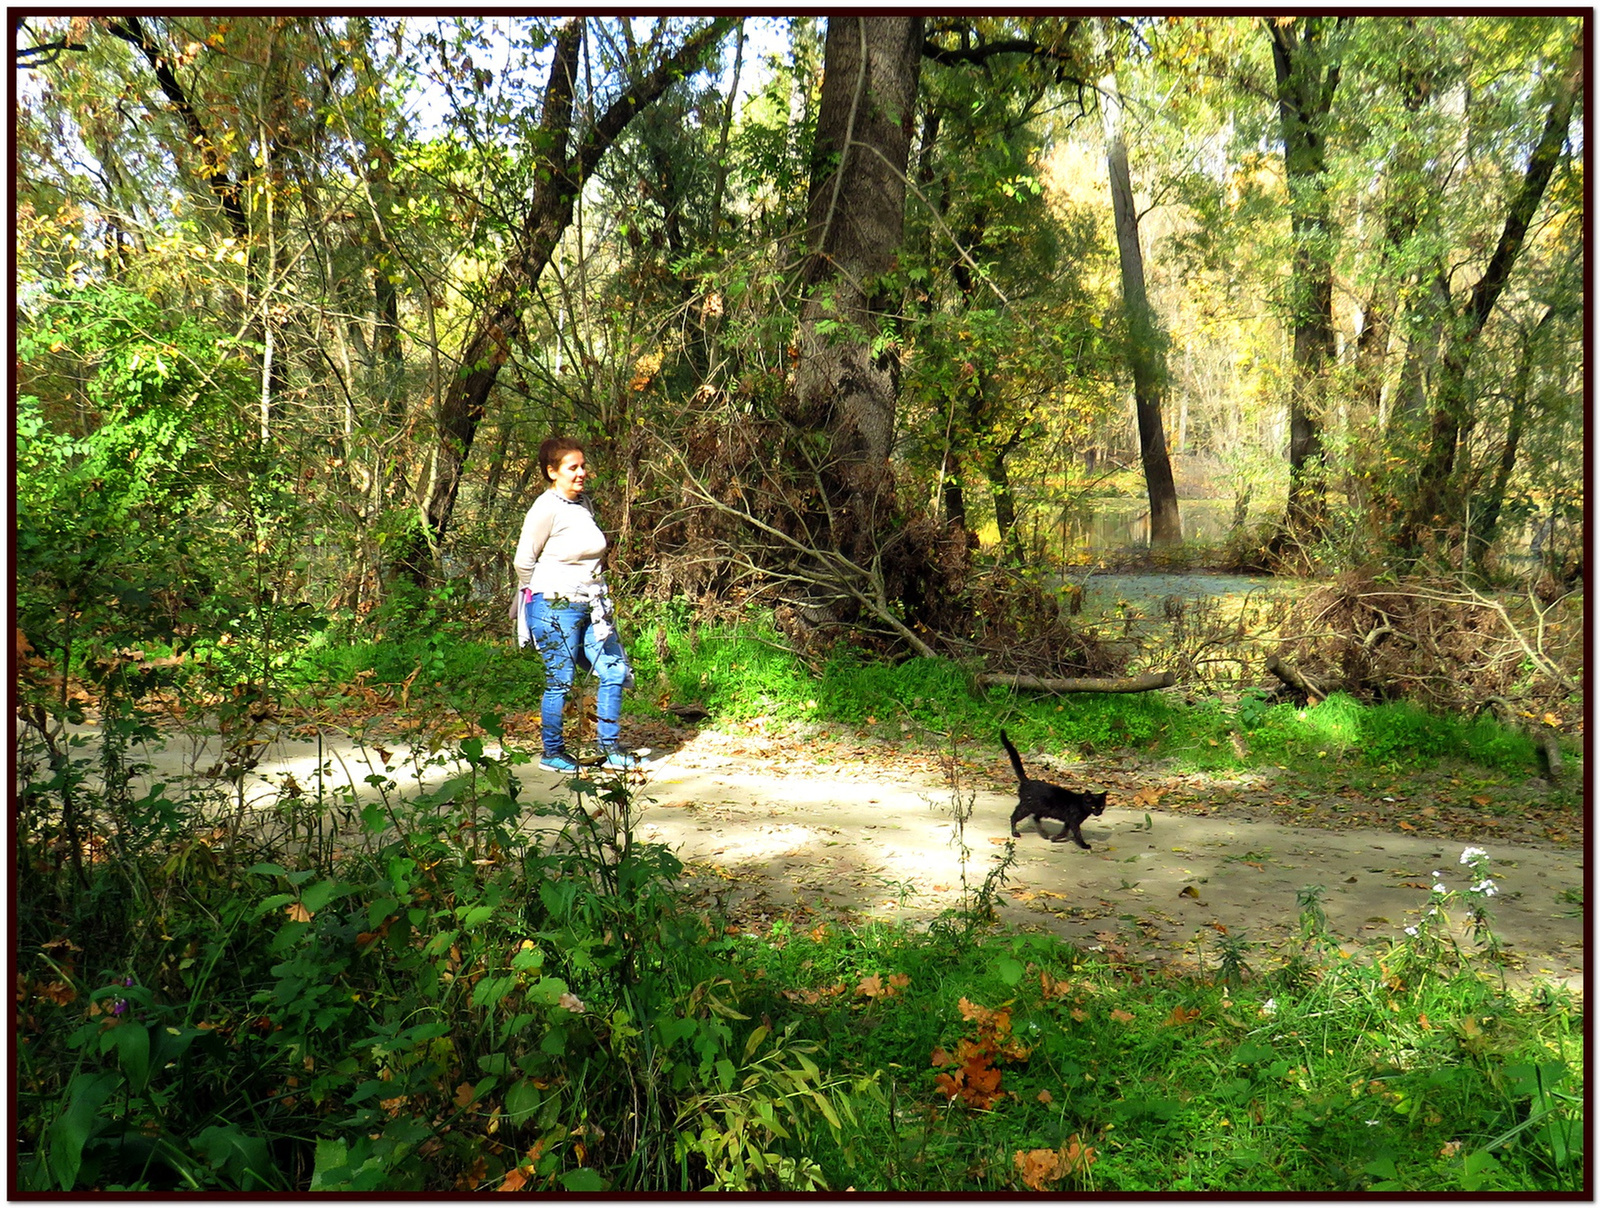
<point x="561" y="548"/>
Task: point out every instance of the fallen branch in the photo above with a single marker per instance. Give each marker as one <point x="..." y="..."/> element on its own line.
<point x="1294" y="679"/>
<point x="1033" y="683"/>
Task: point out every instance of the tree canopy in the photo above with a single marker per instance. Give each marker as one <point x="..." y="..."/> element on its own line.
<point x="838" y="304"/>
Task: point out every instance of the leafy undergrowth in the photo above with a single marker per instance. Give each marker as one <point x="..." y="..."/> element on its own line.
<point x="441" y="998"/>
<point x="1016" y="1062"/>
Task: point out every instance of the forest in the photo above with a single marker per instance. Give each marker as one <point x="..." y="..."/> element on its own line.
<point x="1198" y="397"/>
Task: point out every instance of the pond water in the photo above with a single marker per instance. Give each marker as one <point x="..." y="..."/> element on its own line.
<point x="1117" y="523"/>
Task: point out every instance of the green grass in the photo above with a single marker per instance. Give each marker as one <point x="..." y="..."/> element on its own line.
<point x="442" y="1000"/>
<point x="738" y="673"/>
<point x="1352" y="1081"/>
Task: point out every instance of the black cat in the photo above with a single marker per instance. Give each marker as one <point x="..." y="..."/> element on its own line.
<point x="1041" y="799"/>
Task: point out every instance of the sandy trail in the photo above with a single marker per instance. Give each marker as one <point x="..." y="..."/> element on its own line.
<point x="773" y="836"/>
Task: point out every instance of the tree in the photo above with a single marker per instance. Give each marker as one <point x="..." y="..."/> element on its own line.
<point x="847" y="375"/>
<point x="1307" y="62"/>
<point x="1438" y="485"/>
<point x="567" y="155"/>
<point x="1146" y="355"/>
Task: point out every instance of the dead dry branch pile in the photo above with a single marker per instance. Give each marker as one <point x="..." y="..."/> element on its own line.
<point x="1437" y="642"/>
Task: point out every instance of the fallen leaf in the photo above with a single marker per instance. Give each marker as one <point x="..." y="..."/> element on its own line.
<point x="1038" y="1167"/>
<point x="1046" y="1097"/>
<point x="515" y="1178"/>
<point x="1182" y="1015"/>
<point x="297" y="912"/>
<point x="1121" y="1016"/>
<point x="1188" y="891"/>
<point x="465" y="1095"/>
<point x="57" y="992"/>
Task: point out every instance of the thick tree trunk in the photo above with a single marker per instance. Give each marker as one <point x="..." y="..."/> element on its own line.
<point x="1307" y="72"/>
<point x="847" y="376"/>
<point x="1145" y="355"/>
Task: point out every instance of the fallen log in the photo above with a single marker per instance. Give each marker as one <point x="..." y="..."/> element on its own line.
<point x="1294" y="679"/>
<point x="1034" y="683"/>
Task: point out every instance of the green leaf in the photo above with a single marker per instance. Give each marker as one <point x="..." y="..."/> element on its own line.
<point x="133" y="1053"/>
<point x="76" y="1124"/>
<point x="755" y="1039"/>
<point x="1476" y="1167"/>
<point x="276" y="902"/>
<point x="584" y="1179"/>
<point x="332" y="1156"/>
<point x="522" y="1100"/>
<point x="315" y="897"/>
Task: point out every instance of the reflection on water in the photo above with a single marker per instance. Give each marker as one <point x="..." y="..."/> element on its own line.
<point x="1110" y="524"/>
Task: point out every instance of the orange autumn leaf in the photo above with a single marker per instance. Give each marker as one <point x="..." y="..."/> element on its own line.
<point x="465" y="1094"/>
<point x="297" y="912"/>
<point x="899" y="981"/>
<point x="471" y="1177"/>
<point x="515" y="1179"/>
<point x="57" y="992"/>
<point x="997" y="1018"/>
<point x="1046" y="1098"/>
<point x="1076" y="1157"/>
<point x="1121" y="1016"/>
<point x="1182" y="1015"/>
<point x="870" y="987"/>
<point x="1038" y="1167"/>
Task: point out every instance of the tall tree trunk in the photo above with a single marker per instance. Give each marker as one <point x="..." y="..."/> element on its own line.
<point x="1437" y="487"/>
<point x="1146" y="356"/>
<point x="847" y="377"/>
<point x="1306" y="64"/>
<point x="499" y="325"/>
<point x="1005" y="500"/>
<point x="1486" y="520"/>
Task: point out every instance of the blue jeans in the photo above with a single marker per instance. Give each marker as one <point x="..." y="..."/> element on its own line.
<point x="564" y="636"/>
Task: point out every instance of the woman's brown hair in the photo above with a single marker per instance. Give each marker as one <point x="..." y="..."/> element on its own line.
<point x="553" y="450"/>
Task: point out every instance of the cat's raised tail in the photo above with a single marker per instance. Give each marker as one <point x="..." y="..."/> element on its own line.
<point x="1016" y="760"/>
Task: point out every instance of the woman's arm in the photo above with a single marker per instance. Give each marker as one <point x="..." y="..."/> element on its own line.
<point x="535" y="532"/>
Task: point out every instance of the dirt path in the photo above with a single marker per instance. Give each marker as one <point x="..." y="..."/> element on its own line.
<point x="853" y="828"/>
<point x="778" y="836"/>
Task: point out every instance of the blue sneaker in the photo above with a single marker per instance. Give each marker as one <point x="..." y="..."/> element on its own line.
<point x="559" y="762"/>
<point x="619" y="761"/>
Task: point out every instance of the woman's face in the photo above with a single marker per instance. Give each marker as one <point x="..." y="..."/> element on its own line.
<point x="569" y="476"/>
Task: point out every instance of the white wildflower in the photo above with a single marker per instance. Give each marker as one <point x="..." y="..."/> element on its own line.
<point x="1486" y="887"/>
<point x="1411" y="931"/>
<point x="1270" y="1007"/>
<point x="1472" y="854"/>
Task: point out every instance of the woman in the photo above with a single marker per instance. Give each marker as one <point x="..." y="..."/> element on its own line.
<point x="566" y="609"/>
